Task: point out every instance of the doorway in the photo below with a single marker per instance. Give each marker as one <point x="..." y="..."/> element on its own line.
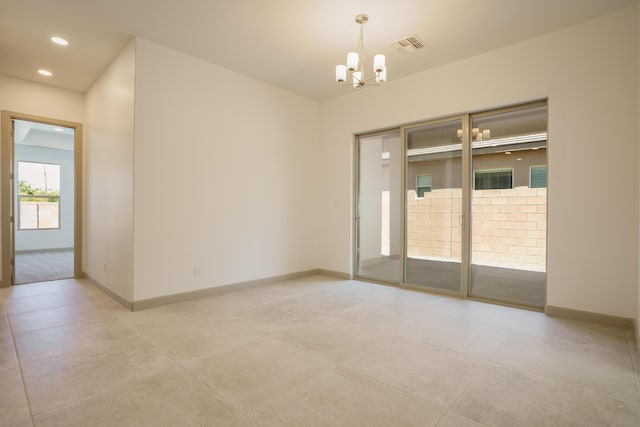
<point x="41" y="199"/>
<point x="474" y="192"/>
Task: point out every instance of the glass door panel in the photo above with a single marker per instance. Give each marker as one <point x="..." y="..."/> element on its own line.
<point x="509" y="206"/>
<point x="379" y="228"/>
<point x="434" y="205"/>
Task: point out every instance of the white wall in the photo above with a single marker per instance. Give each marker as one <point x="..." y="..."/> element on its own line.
<point x="225" y="176"/>
<point x="62" y="237"/>
<point x="108" y="176"/>
<point x="26" y="97"/>
<point x="589" y="73"/>
<point x="22" y="96"/>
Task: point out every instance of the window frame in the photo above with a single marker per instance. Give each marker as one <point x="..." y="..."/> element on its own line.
<point x="418" y="186"/>
<point x="545" y="175"/>
<point x="44" y="197"/>
<point x="475" y="172"/>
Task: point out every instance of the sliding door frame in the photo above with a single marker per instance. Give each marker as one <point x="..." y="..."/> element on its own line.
<point x="356" y="202"/>
<point x="487" y="113"/>
<point x="466" y="204"/>
<point x="465" y="253"/>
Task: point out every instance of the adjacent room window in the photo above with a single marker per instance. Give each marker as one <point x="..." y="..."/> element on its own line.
<point x="423" y="184"/>
<point x="493" y="179"/>
<point x="538" y="176"/>
<point x="38" y="196"/>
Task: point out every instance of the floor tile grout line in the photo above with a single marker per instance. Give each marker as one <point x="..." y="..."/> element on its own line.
<point x="71" y="322"/>
<point x="568" y="341"/>
<point x="480" y="371"/>
<point x="19" y="362"/>
<point x="67" y="353"/>
<point x="240" y="408"/>
<point x="418" y="340"/>
<point x="451" y="410"/>
<point x="511" y="333"/>
<point x="392" y="386"/>
<point x="565" y="382"/>
<point x="73" y="303"/>
<point x="470" y="383"/>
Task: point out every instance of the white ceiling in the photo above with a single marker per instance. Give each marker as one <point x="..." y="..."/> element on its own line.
<point x="293" y="44"/>
<point x="43" y="135"/>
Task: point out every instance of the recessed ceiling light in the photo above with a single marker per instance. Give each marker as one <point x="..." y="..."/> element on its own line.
<point x="46" y="73"/>
<point x="519" y="158"/>
<point x="60" y="41"/>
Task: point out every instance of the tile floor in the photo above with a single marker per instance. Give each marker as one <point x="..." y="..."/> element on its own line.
<point x="309" y="352"/>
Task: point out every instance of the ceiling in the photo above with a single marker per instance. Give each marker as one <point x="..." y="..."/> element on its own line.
<point x="292" y="44"/>
<point x="43" y="135"/>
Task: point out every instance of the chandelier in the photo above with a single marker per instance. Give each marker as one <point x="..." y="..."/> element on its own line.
<point x="355" y="62"/>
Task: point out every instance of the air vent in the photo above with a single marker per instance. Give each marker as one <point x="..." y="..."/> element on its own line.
<point x="410" y="44"/>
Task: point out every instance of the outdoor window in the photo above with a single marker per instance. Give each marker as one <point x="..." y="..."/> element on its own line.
<point x="38" y="196"/>
<point x="423" y="184"/>
<point x="538" y="176"/>
<point x="494" y="179"/>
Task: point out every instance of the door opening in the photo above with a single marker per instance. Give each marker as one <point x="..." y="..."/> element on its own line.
<point x="41" y="233"/>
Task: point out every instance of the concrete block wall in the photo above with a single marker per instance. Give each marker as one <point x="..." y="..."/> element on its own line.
<point x="509" y="226"/>
<point x="433" y="224"/>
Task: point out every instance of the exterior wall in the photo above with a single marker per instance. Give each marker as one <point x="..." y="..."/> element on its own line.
<point x="433" y="228"/>
<point x="592" y="264"/>
<point x="509" y="227"/>
<point x="452" y="168"/>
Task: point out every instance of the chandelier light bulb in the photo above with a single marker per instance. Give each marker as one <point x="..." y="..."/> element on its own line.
<point x="378" y="63"/>
<point x="381" y="77"/>
<point x="341" y="73"/>
<point x="352" y="61"/>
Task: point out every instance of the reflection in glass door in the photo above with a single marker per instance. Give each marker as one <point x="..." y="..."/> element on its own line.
<point x="434" y="205"/>
<point x="378" y="226"/>
<point x="509" y="205"/>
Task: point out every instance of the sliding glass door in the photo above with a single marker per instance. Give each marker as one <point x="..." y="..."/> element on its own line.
<point x="434" y="205"/>
<point x="509" y="205"/>
<point x="458" y="205"/>
<point x="379" y="212"/>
